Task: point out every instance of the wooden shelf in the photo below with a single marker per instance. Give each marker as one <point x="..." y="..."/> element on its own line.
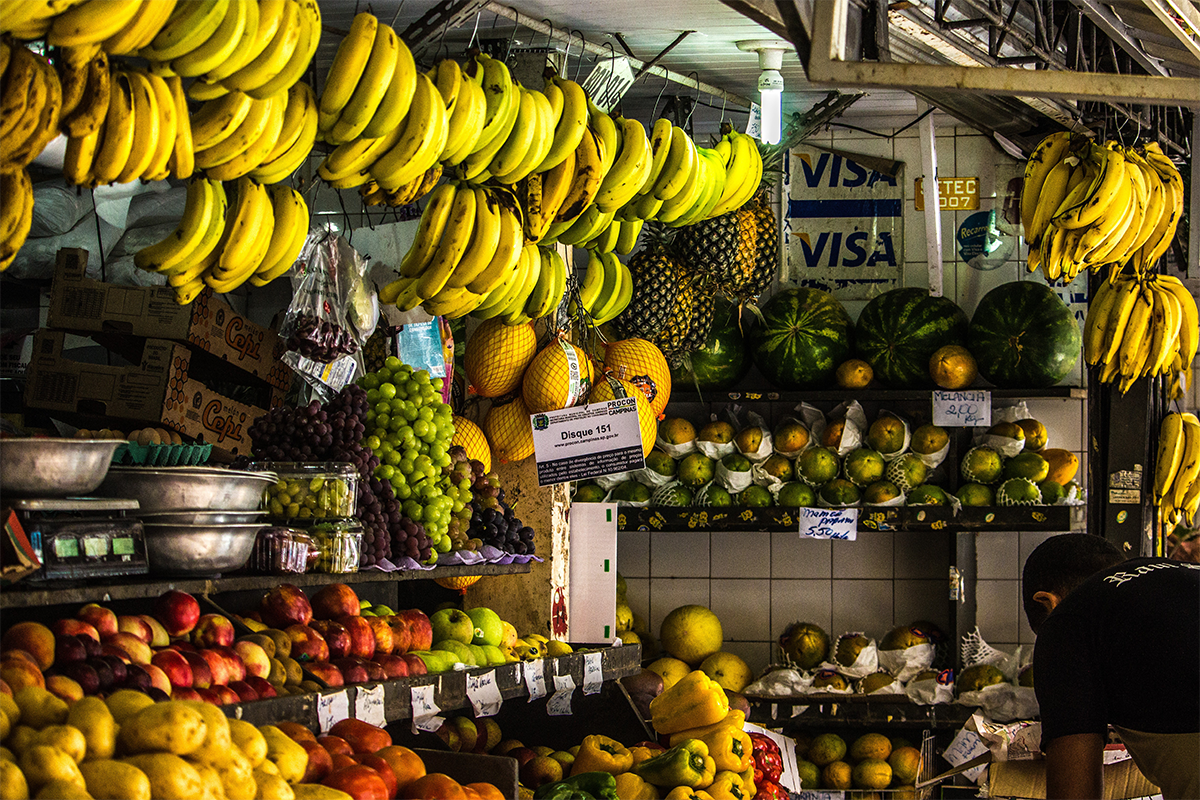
<point x="686" y="394"/>
<point x="29" y="594"/>
<point x="853" y="711"/>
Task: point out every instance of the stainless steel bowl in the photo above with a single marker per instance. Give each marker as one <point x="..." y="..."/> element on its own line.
<point x="195" y="517"/>
<point x="187" y="488"/>
<point x="199" y="549"/>
<point x="54" y="467"/>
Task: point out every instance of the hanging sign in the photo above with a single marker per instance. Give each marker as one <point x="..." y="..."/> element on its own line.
<point x="582" y="442"/>
<point x="609" y="81"/>
<point x="967" y="409"/>
<point x="828" y="523"/>
<point x="954" y="194"/>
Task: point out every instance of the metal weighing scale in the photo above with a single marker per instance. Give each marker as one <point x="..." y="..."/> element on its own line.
<point x="84" y="537"/>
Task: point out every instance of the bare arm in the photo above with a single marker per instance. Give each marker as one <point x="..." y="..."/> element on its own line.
<point x="1073" y="767"/>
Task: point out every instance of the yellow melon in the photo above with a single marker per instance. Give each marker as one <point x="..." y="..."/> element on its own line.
<point x="509" y="432"/>
<point x="641" y="363"/>
<point x="497" y="355"/>
<point x="560" y="375"/>
<point x="604" y="390"/>
<point x="472" y="439"/>
<point x="1063" y="464"/>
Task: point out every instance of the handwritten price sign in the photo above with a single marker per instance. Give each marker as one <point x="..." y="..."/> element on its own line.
<point x="962" y="409"/>
<point x="829" y="523"/>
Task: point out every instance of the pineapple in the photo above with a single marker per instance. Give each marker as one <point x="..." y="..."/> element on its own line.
<point x="766" y="256"/>
<point x="717" y="249"/>
<point x="672" y="337"/>
<point x="655" y="288"/>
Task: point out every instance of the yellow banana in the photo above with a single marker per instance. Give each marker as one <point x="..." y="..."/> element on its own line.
<point x="247" y="133"/>
<point x="182" y="160"/>
<point x="1099" y="310"/>
<point x="216" y="120"/>
<point x="273" y="58"/>
<point x="1136" y="330"/>
<point x="504" y="260"/>
<point x="253" y="41"/>
<point x="572" y="122"/>
<point x="396" y="101"/>
<point x="347" y="68"/>
<point x="1189" y="467"/>
<point x="465" y="123"/>
<point x="451" y="245"/>
<point x="118" y="132"/>
<point x="371" y="88"/>
<point x="586" y="179"/>
<point x="191" y="24"/>
<point x="429" y="230"/>
<point x="301" y="105"/>
<point x="630" y="168"/>
<point x="204" y="200"/>
<point x="422" y="142"/>
<point x="1049" y="152"/>
<point x="502" y="99"/>
<point x="248" y="229"/>
<point x="679" y="168"/>
<point x="1189" y="329"/>
<point x="485" y="238"/>
<point x="147" y="120"/>
<point x="91" y="22"/>
<point x="220" y="46"/>
<point x="308" y="38"/>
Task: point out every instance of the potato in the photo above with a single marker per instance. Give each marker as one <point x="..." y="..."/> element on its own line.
<point x="43" y="764"/>
<point x="315" y="791"/>
<point x="67" y="738"/>
<point x="62" y="790"/>
<point x="39" y="708"/>
<point x="171" y="778"/>
<point x="291" y="758"/>
<point x="114" y="780"/>
<point x="124" y="703"/>
<point x="217" y="744"/>
<point x="12" y="782"/>
<point x="272" y="787"/>
<point x="210" y="780"/>
<point x="92" y="717"/>
<point x="237" y="776"/>
<point x="249" y="741"/>
<point x="10" y="707"/>
<point x="167" y="727"/>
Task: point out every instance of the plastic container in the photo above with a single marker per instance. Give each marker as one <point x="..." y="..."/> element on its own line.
<point x="339" y="543"/>
<point x="310" y="490"/>
<point x="280" y="551"/>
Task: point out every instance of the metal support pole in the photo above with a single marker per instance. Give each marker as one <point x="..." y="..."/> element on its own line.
<point x="933" y="214"/>
<point x="1192" y="268"/>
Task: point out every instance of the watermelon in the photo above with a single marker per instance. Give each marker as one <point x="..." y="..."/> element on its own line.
<point x="900" y="330"/>
<point x="721" y="361"/>
<point x="803" y="336"/>
<point x="1023" y="336"/>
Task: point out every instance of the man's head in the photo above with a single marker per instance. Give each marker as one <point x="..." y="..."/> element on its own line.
<point x="1056" y="568"/>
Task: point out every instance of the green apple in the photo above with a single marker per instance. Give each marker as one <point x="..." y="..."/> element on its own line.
<point x="436" y="660"/>
<point x="495" y="656"/>
<point x="451" y="623"/>
<point x="462" y="652"/>
<point x="364" y="604"/>
<point x="489" y="628"/>
<point x="481" y="656"/>
<point x="383" y="611"/>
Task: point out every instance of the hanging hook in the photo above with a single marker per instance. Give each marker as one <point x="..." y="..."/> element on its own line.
<point x="549" y="36"/>
<point x="654" y="114"/>
<point x="582" y="50"/>
<point x="567" y="55"/>
<point x="475" y="30"/>
<point x="396" y="16"/>
<point x="513" y="37"/>
<point x="695" y="100"/>
<point x="724" y="100"/>
<point x="442" y="41"/>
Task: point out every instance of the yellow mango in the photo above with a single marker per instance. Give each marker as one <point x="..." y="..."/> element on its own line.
<point x="67" y="738"/>
<point x="168" y="727"/>
<point x="315" y="791"/>
<point x="39" y="708"/>
<point x="7" y="755"/>
<point x="269" y="766"/>
<point x="217" y="744"/>
<point x="114" y="780"/>
<point x="209" y="779"/>
<point x="62" y="790"/>
<point x="43" y="764"/>
<point x="10" y="707"/>
<point x="5" y="725"/>
<point x="249" y="741"/>
<point x="92" y="717"/>
<point x="291" y="758"/>
<point x="21" y="739"/>
<point x="271" y="787"/>
<point x="171" y="778"/>
<point x="237" y="776"/>
<point x="12" y="782"/>
<point x="124" y="703"/>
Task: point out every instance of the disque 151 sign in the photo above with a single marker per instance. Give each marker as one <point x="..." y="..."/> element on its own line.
<point x="590" y="441"/>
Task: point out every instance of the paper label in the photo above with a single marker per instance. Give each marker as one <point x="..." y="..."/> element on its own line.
<point x="559" y="704"/>
<point x="965" y="747"/>
<point x="962" y="409"/>
<point x="332" y="709"/>
<point x="593" y="673"/>
<point x="828" y="523"/>
<point x="608" y="82"/>
<point x="335" y="374"/>
<point x="484" y="694"/>
<point x="424" y="710"/>
<point x="535" y="679"/>
<point x="754" y="121"/>
<point x="589" y="441"/>
<point x="368" y="705"/>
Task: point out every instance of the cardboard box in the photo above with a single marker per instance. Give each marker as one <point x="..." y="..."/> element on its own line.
<point x="158" y="391"/>
<point x="1027" y="779"/>
<point x="80" y="304"/>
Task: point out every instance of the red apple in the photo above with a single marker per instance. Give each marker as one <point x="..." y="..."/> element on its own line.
<point x="319" y="762"/>
<point x="342" y="760"/>
<point x="217" y="667"/>
<point x="158" y="634"/>
<point x="176" y="667"/>
<point x="362" y="637"/>
<point x="228" y="696"/>
<point x="362" y="736"/>
<point x="401" y="635"/>
<point x="202" y="676"/>
<point x="331" y="675"/>
<point x="113" y="651"/>
<point x="213" y="630"/>
<point x="335" y="635"/>
<point x="210" y="695"/>
<point x="415" y="665"/>
<point x="394" y="666"/>
<point x="352" y="669"/>
<point x="358" y="781"/>
<point x="245" y="691"/>
<point x="158" y="678"/>
<point x="257" y="662"/>
<point x="419" y="627"/>
<point x="74" y="627"/>
<point x="233" y="662"/>
<point x="385" y="640"/>
<point x="33" y="638"/>
<point x="375" y="672"/>
<point x="286" y="605"/>
<point x="383" y="769"/>
<point x="99" y="617"/>
<point x="138" y="651"/>
<point x="177" y="611"/>
<point x="296" y="732"/>
<point x="307" y="644"/>
<point x="262" y="686"/>
<point x="135" y="625"/>
<point x="522" y="755"/>
<point x="335" y="600"/>
<point x="68" y="649"/>
<point x="183" y="646"/>
<point x="335" y="745"/>
<point x="187" y="693"/>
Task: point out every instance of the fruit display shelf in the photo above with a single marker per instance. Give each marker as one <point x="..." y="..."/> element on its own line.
<point x="28" y="594"/>
<point x="855" y="711"/>
<point x="668" y="519"/>
<point x="684" y="393"/>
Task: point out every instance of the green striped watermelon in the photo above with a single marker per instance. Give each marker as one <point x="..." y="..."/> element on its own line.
<point x="899" y="330"/>
<point x="722" y="360"/>
<point x="1023" y="336"/>
<point x="803" y="336"/>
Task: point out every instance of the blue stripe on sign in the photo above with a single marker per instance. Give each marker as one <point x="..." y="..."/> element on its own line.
<point x="825" y="209"/>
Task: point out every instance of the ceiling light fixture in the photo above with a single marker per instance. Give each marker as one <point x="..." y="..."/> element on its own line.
<point x="770" y="85"/>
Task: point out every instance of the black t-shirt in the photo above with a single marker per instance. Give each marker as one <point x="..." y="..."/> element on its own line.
<point x="1123" y="649"/>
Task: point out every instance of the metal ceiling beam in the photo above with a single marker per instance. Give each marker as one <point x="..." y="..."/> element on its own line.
<point x="1185" y="12"/>
<point x="1103" y="18"/>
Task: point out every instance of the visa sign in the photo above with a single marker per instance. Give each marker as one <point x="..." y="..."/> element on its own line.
<point x="845" y="223"/>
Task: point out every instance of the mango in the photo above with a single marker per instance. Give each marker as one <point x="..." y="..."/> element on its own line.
<point x="217" y="744"/>
<point x="167" y="727"/>
<point x="237" y="776"/>
<point x="63" y="790"/>
<point x="289" y="757"/>
<point x="92" y="717"/>
<point x="5" y="725"/>
<point x="249" y="741"/>
<point x="124" y="703"/>
<point x="268" y="766"/>
<point x="12" y="782"/>
<point x="7" y="755"/>
<point x="40" y="708"/>
<point x="272" y="787"/>
<point x="315" y="791"/>
<point x="171" y="778"/>
<point x="115" y="780"/>
<point x="21" y="739"/>
<point x="213" y="789"/>
<point x="10" y="708"/>
<point x="43" y="764"/>
<point x="67" y="738"/>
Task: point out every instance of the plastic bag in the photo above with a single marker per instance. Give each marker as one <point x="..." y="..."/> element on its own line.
<point x="316" y="325"/>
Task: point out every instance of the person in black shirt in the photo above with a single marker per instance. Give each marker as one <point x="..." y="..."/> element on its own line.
<point x="1118" y="643"/>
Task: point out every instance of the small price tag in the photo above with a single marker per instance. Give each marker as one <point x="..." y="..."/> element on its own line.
<point x="332" y="709"/>
<point x="535" y="679"/>
<point x="368" y="705"/>
<point x="593" y="673"/>
<point x="829" y="523"/>
<point x="962" y="409"/>
<point x="559" y="704"/>
<point x="424" y="710"/>
<point x="484" y="694"/>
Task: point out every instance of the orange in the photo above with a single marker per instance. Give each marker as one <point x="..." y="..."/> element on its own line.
<point x="872" y="773"/>
<point x="854" y="374"/>
<point x="953" y="367"/>
<point x="905" y="763"/>
<point x="836" y="775"/>
<point x="407" y="765"/>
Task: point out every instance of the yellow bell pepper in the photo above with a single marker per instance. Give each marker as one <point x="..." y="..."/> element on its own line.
<point x="631" y="787"/>
<point x="695" y="701"/>
<point x="601" y="754"/>
<point x="640" y="754"/>
<point x="686" y="793"/>
<point x="734" y="719"/>
<point x="686" y="764"/>
<point x="748" y="785"/>
<point x="728" y="786"/>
